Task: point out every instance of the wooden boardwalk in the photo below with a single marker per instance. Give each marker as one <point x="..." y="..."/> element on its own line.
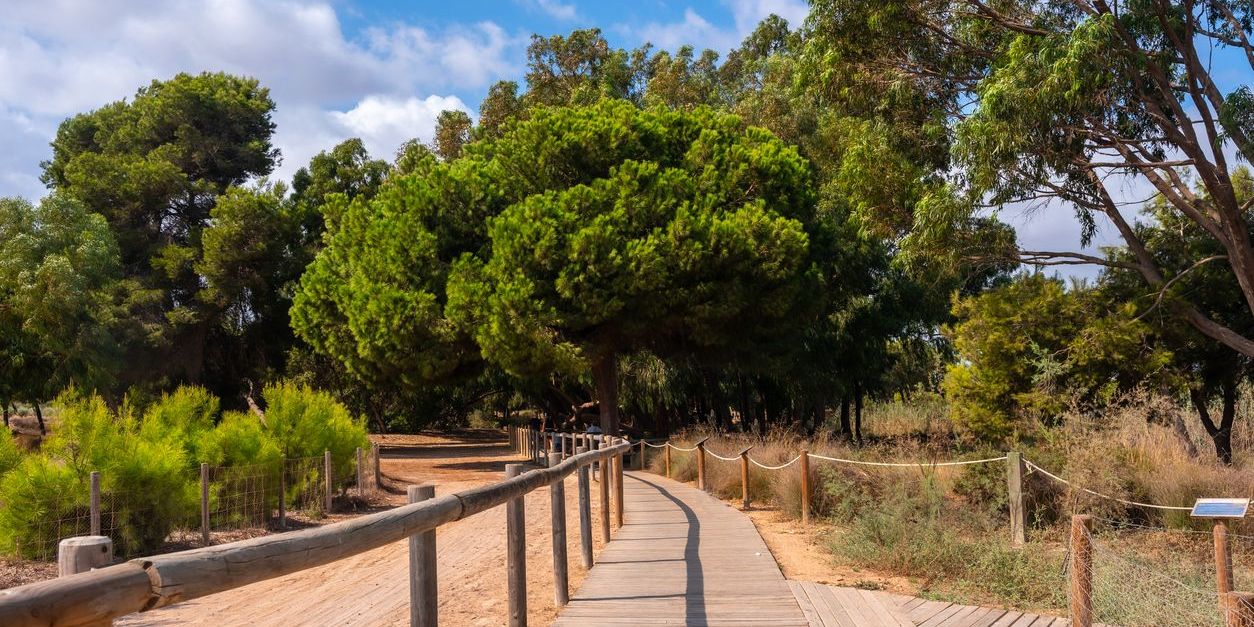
<point x="686" y="558"/>
<point x="682" y="558"/>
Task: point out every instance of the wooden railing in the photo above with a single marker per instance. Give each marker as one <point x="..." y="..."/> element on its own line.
<point x="98" y="596"/>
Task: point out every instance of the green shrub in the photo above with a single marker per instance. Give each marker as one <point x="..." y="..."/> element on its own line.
<point x="34" y="500"/>
<point x="181" y="418"/>
<point x="151" y="493"/>
<point x="304" y="422"/>
<point x="239" y="440"/>
<point x="10" y="454"/>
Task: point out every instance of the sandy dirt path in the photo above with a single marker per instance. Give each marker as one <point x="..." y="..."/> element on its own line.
<point x="373" y="588"/>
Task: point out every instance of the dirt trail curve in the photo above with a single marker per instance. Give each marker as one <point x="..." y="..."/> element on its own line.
<point x="373" y="588"/>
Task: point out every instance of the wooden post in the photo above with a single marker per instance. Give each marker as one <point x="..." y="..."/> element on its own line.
<point x="585" y="514"/>
<point x="326" y="467"/>
<point x="1014" y="490"/>
<point x="361" y="472"/>
<point x="618" y="491"/>
<point x="1081" y="571"/>
<point x="557" y="511"/>
<point x="805" y="486"/>
<point x="424" y="602"/>
<point x="95" y="503"/>
<point x="701" y="465"/>
<point x="83" y="553"/>
<point x="378" y="474"/>
<point x="516" y="553"/>
<point x="204" y="504"/>
<point x="744" y="478"/>
<point x="1223" y="562"/>
<point x="641" y="467"/>
<point x="604" y="486"/>
<point x="282" y="493"/>
<point x="1239" y="610"/>
<point x="668" y="459"/>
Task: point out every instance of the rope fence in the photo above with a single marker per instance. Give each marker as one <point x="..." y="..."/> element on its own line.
<point x="1120" y="580"/>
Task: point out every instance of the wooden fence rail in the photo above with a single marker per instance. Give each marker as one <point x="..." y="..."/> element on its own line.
<point x="148" y="583"/>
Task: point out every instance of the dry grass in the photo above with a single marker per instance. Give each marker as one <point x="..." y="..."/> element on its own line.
<point x="946" y="528"/>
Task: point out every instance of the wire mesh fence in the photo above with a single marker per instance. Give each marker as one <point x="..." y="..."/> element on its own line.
<point x="221" y="503"/>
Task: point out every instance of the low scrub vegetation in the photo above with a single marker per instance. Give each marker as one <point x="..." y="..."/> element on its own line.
<point x="148" y="460"/>
<point x="946" y="527"/>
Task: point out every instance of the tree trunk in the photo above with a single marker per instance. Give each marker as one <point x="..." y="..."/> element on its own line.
<point x="605" y="376"/>
<point x="845" y="430"/>
<point x="857" y="412"/>
<point x="1223" y="439"/>
<point x="39" y="416"/>
<point x="1221" y="434"/>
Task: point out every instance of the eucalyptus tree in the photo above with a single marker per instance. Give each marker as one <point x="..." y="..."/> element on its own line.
<point x="1062" y="103"/>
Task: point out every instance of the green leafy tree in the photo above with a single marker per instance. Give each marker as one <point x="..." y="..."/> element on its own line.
<point x="59" y="300"/>
<point x="578" y="236"/>
<point x="1057" y="103"/>
<point x="1029" y="348"/>
<point x="693" y="244"/>
<point x="155" y="167"/>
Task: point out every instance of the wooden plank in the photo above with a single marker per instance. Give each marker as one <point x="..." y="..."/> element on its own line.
<point x="807" y="606"/>
<point x="927" y="610"/>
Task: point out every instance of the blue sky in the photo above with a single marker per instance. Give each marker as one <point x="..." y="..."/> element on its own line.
<point x="376" y="69"/>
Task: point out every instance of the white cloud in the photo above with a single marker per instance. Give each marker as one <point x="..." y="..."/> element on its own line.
<point x="556" y="9"/>
<point x="385" y="123"/>
<point x="698" y="32"/>
<point x="694" y="31"/>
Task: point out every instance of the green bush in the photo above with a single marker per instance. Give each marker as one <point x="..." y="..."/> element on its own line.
<point x="10" y="454"/>
<point x="34" y="498"/>
<point x="304" y="422"/>
<point x="182" y="418"/>
<point x="239" y="440"/>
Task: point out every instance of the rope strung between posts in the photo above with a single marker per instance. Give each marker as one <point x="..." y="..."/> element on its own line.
<point x="1099" y="494"/>
<point x="781" y="466"/>
<point x="662" y="445"/>
<point x="717" y="456"/>
<point x="907" y="464"/>
<point x="680" y="448"/>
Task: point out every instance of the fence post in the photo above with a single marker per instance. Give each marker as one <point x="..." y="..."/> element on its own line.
<point x="1239" y="610"/>
<point x="604" y="487"/>
<point x="557" y="511"/>
<point x="204" y="504"/>
<point x="618" y="491"/>
<point x="95" y="503"/>
<point x="585" y="513"/>
<point x="668" y="459"/>
<point x="326" y="467"/>
<point x="83" y="553"/>
<point x="641" y="454"/>
<point x="805" y="486"/>
<point x="1223" y="562"/>
<point x="378" y="475"/>
<point x="744" y="477"/>
<point x="282" y="493"/>
<point x="701" y="465"/>
<point x="516" y="553"/>
<point x="1014" y="490"/>
<point x="1081" y="571"/>
<point x="361" y="485"/>
<point x="423" y="592"/>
